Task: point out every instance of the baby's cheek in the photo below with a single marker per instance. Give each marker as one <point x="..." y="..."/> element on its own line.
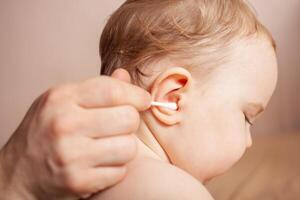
<point x="216" y="141"/>
<point x="235" y="150"/>
<point x="235" y="137"/>
<point x="230" y="146"/>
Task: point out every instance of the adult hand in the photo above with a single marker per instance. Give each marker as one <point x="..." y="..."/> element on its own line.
<point x="74" y="141"/>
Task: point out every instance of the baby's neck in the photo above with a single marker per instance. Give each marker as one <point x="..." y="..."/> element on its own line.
<point x="148" y="146"/>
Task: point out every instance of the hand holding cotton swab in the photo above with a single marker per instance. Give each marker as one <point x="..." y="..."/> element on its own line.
<point x="172" y="106"/>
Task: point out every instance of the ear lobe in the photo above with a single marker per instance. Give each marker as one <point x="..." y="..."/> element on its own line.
<point x="170" y="86"/>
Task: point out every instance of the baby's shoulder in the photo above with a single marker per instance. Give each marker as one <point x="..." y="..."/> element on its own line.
<point x="149" y="179"/>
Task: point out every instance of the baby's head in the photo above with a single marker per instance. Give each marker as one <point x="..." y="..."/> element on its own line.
<point x="212" y="57"/>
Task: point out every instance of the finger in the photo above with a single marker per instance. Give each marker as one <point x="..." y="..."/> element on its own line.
<point x="122" y="75"/>
<point x="106" y="91"/>
<point x="97" y="123"/>
<point x="89" y="181"/>
<point x="102" y="177"/>
<point x="110" y="151"/>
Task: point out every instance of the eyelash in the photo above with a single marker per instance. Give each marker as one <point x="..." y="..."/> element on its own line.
<point x="247" y="120"/>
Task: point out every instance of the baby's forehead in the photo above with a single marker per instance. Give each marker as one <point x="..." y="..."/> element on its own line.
<point x="247" y="57"/>
<point x="250" y="72"/>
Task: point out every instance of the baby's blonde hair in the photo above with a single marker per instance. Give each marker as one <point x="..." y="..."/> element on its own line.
<point x="192" y="31"/>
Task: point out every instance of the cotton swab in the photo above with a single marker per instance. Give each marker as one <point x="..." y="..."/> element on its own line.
<point x="172" y="106"/>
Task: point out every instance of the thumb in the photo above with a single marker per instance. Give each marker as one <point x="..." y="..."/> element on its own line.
<point x="122" y="75"/>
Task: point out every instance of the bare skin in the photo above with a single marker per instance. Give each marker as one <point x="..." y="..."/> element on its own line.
<point x="152" y="179"/>
<point x="66" y="147"/>
<point x="179" y="150"/>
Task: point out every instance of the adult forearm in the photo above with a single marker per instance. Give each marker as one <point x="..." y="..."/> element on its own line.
<point x="10" y="186"/>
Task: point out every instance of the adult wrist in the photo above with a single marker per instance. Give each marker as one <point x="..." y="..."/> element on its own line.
<point x="3" y="179"/>
<point x="10" y="187"/>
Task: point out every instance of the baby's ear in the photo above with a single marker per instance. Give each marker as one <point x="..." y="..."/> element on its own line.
<point x="170" y="86"/>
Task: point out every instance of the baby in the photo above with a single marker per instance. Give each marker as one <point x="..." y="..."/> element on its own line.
<point x="217" y="62"/>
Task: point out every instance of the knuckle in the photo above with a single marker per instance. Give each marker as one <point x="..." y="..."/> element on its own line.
<point x="61" y="159"/>
<point x="54" y="95"/>
<point x="74" y="182"/>
<point x="62" y="156"/>
<point x="57" y="94"/>
<point x="61" y="125"/>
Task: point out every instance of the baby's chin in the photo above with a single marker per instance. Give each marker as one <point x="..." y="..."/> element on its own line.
<point x="214" y="175"/>
<point x="217" y="170"/>
<point x="208" y="177"/>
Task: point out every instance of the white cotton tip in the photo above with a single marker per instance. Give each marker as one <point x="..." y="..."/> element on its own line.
<point x="172" y="105"/>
